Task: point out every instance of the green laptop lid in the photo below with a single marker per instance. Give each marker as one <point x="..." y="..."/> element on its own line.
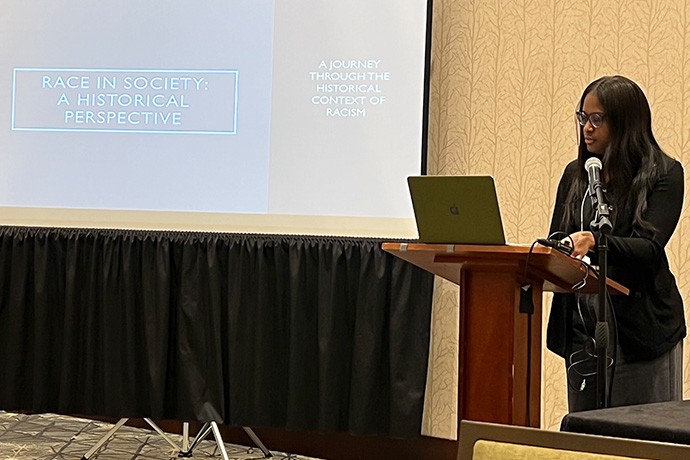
<point x="456" y="209"/>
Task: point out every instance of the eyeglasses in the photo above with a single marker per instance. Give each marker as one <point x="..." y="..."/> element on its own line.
<point x="596" y="119"/>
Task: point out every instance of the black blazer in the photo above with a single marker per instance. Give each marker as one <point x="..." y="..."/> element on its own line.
<point x="650" y="320"/>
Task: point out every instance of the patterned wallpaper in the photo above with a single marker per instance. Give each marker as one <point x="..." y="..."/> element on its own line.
<point x="506" y="79"/>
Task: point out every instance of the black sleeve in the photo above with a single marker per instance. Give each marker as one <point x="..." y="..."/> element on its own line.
<point x="664" y="206"/>
<point x="560" y="203"/>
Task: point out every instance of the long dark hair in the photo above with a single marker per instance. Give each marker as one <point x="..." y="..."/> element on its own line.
<point x="632" y="159"/>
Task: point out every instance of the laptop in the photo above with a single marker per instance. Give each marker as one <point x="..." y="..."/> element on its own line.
<point x="456" y="209"/>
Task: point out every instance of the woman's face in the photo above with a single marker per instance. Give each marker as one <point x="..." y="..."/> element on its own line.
<point x="596" y="139"/>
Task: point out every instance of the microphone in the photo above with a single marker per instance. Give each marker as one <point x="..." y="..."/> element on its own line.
<point x="593" y="167"/>
<point x="596" y="192"/>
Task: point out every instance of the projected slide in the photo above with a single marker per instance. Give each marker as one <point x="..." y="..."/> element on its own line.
<point x="230" y="107"/>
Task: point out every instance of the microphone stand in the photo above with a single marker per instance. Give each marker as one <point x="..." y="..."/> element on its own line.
<point x="601" y="223"/>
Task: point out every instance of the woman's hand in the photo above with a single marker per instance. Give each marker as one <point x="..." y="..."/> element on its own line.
<point x="582" y="243"/>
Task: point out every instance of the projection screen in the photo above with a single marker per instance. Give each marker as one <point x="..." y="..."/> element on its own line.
<point x="261" y="116"/>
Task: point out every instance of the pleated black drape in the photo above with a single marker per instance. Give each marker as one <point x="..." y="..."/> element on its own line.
<point x="315" y="333"/>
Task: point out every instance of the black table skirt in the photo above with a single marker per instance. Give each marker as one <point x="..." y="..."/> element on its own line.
<point x="297" y="332"/>
<point x="662" y="422"/>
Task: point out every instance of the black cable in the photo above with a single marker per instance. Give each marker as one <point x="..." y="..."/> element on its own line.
<point x="583" y="282"/>
<point x="614" y="322"/>
<point x="611" y="360"/>
<point x="529" y="337"/>
<point x="614" y="346"/>
<point x="554" y="240"/>
<point x="576" y="287"/>
<point x="524" y="273"/>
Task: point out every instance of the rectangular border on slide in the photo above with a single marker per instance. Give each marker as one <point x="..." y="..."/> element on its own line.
<point x="139" y="131"/>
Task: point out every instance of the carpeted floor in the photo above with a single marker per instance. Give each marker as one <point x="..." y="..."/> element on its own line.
<point x="56" y="437"/>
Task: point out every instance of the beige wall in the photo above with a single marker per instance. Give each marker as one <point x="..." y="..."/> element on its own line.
<point x="506" y="79"/>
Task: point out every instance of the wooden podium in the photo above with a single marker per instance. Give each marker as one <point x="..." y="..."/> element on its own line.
<point x="499" y="371"/>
